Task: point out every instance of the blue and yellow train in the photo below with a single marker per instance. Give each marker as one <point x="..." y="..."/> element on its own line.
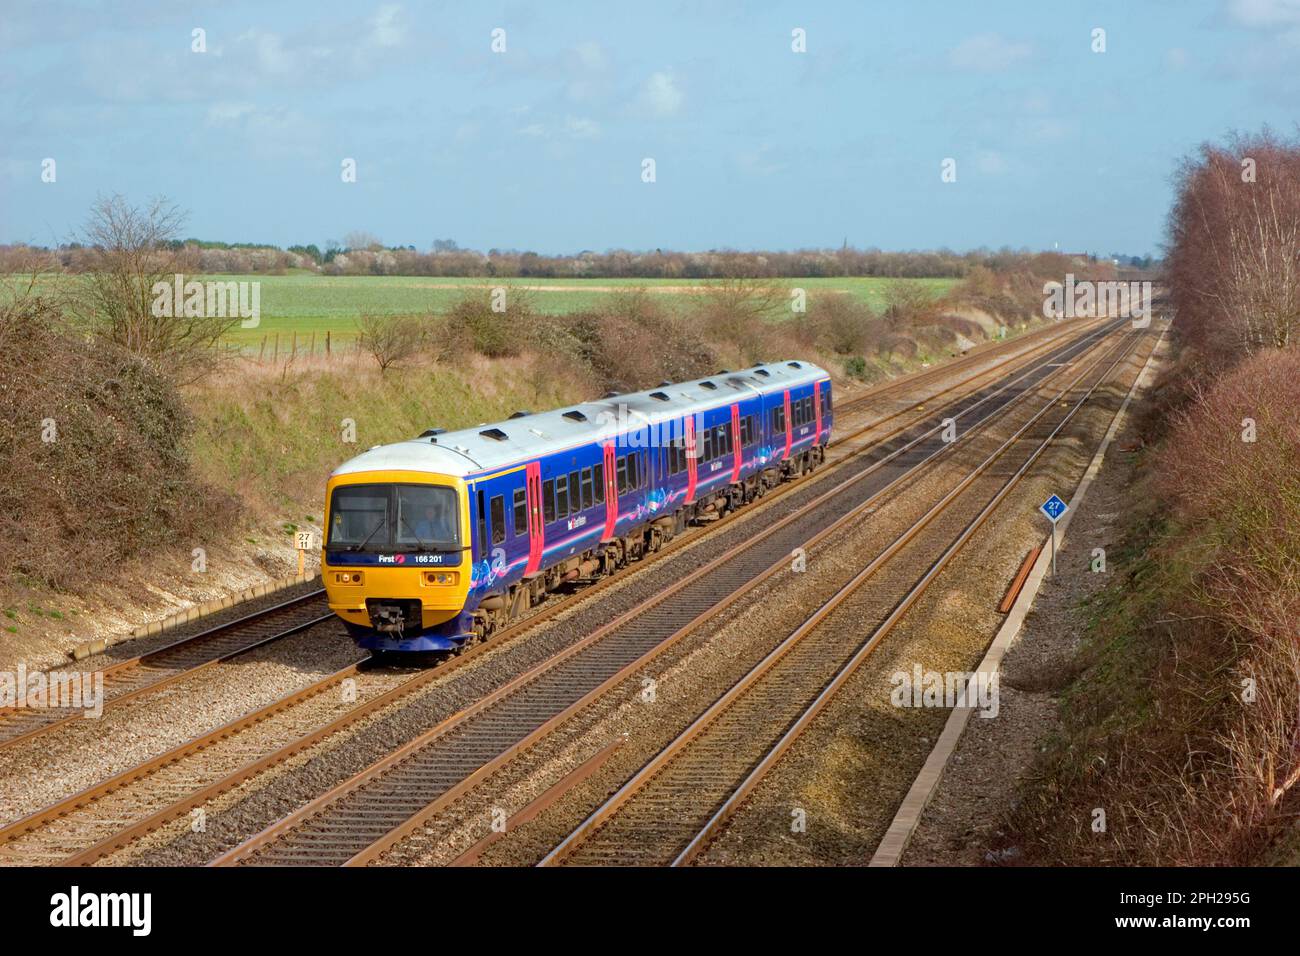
<point x="439" y="541"/>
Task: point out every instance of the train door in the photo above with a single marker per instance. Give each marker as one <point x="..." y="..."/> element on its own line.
<point x="611" y="491"/>
<point x="789" y="424"/>
<point x="536" y="526"/>
<point x="692" y="463"/>
<point x="817" y="404"/>
<point x="738" y="451"/>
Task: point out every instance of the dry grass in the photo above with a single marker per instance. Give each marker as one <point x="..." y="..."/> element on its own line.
<point x="1184" y="726"/>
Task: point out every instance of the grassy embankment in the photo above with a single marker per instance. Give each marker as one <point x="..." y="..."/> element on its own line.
<point x="1181" y="723"/>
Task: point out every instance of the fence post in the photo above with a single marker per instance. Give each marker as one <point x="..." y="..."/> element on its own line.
<point x="327" y="343"/>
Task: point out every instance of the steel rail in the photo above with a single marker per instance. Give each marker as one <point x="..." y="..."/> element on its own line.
<point x="85" y="798"/>
<point x="130" y="678"/>
<point x="701" y="726"/>
<point x="251" y="849"/>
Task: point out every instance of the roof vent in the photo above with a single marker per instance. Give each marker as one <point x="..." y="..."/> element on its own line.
<point x="430" y="432"/>
<point x="794" y="364"/>
<point x="610" y="395"/>
<point x="763" y="372"/>
<point x="495" y="434"/>
<point x="659" y="396"/>
<point x="520" y="414"/>
<point x="575" y="416"/>
<point x="665" y="383"/>
<point x="709" y="385"/>
<point x="724" y="371"/>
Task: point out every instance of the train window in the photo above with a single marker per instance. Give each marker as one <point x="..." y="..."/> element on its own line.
<point x="706" y="454"/>
<point x="521" y="513"/>
<point x="621" y="474"/>
<point x="498" y="518"/>
<point x="562" y="496"/>
<point x="808" y="414"/>
<point x="724" y="439"/>
<point x="778" y="418"/>
<point x="598" y="481"/>
<point x="548" y="500"/>
<point x="575" y="493"/>
<point x="631" y="472"/>
<point x="587" y="499"/>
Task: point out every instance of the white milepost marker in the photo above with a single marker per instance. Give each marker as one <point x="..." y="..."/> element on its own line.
<point x="304" y="540"/>
<point x="1054" y="507"/>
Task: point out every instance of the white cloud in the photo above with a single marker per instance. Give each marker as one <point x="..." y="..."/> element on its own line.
<point x="272" y="57"/>
<point x="662" y="95"/>
<point x="988" y="53"/>
<point x="386" y="30"/>
<point x="581" y="127"/>
<point x="223" y="114"/>
<point x="1264" y="13"/>
<point x="592" y="56"/>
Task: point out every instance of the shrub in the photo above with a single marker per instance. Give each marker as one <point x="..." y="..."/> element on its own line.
<point x="93" y="461"/>
<point x="842" y="324"/>
<point x="392" y="340"/>
<point x="494" y="334"/>
<point x="1159" y="729"/>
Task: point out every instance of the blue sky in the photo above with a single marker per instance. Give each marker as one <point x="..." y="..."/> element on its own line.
<point x="541" y="147"/>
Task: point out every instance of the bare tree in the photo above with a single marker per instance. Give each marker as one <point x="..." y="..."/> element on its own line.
<point x="133" y="251"/>
<point x="392" y="340"/>
<point x="1233" y="265"/>
<point x="359" y="239"/>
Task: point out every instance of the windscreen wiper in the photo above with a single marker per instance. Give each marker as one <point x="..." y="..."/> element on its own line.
<point x="418" y="539"/>
<point x="366" y="540"/>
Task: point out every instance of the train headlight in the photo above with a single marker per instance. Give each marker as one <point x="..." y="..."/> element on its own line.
<point x="441" y="578"/>
<point x="349" y="577"/>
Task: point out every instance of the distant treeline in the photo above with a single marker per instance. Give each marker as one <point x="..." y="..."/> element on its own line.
<point x="447" y="259"/>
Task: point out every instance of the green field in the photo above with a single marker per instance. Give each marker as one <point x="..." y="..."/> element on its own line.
<point x="306" y="303"/>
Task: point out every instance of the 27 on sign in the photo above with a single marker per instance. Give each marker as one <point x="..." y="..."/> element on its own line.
<point x="305" y="540"/>
<point x="1054" y="507"/>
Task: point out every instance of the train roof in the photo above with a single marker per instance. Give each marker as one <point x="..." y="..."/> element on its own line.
<point x="470" y="451"/>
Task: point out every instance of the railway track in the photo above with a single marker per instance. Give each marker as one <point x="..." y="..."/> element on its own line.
<point x="971" y="359"/>
<point x="358" y="820"/>
<point x="90" y="825"/>
<point x="670" y="809"/>
<point x="154" y="670"/>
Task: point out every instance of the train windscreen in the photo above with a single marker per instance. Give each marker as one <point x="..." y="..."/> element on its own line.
<point x="394" y="518"/>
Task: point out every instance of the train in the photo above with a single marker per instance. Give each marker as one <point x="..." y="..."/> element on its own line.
<point x="440" y="541"/>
